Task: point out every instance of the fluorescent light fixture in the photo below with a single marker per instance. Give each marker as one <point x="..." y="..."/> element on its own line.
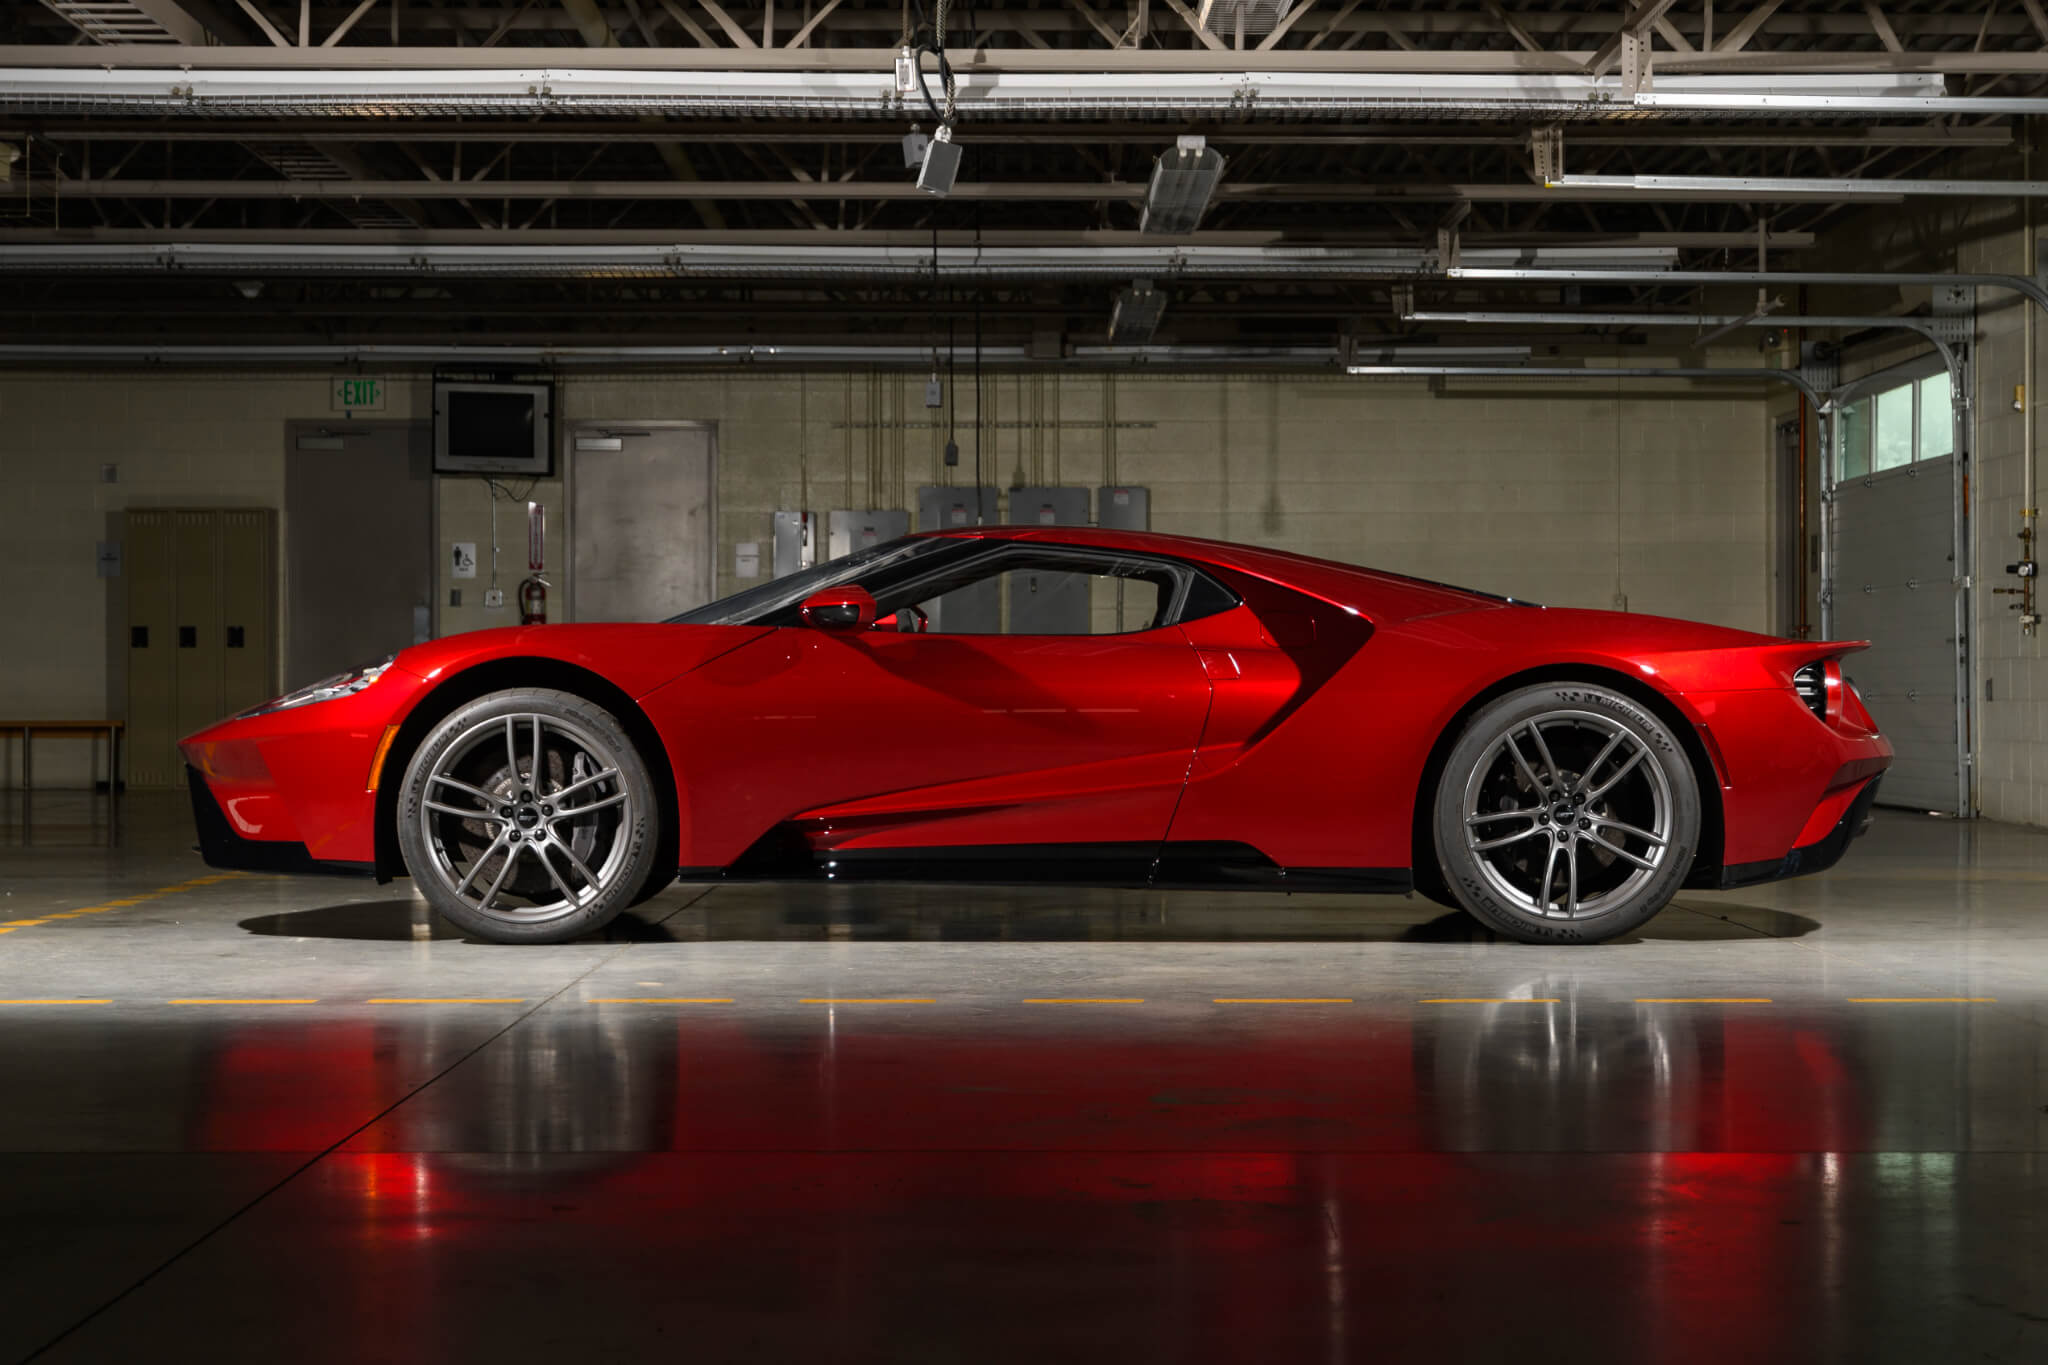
<point x="1183" y="181"/>
<point x="1135" y="316"/>
<point x="600" y="443"/>
<point x="1788" y="187"/>
<point x="941" y="165"/>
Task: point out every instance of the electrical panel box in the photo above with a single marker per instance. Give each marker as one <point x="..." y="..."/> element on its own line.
<point x="974" y="610"/>
<point x="856" y="529"/>
<point x="795" y="542"/>
<point x="947" y="509"/>
<point x="1048" y="507"/>
<point x="1044" y="603"/>
<point x="1123" y="509"/>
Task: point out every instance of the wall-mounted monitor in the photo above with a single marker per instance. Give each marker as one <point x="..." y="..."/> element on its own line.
<point x="488" y="428"/>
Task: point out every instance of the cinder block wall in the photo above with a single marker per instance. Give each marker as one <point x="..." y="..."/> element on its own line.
<point x="2012" y="668"/>
<point x="1652" y="495"/>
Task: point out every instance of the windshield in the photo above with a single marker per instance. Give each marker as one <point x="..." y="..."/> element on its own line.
<point x="763" y="605"/>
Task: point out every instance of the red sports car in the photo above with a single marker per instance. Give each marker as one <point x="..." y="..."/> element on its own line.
<point x="1053" y="704"/>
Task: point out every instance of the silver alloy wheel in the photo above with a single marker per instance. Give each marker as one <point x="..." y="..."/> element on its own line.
<point x="1578" y="796"/>
<point x="496" y="816"/>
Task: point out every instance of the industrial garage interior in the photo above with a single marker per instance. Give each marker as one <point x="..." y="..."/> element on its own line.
<point x="1724" y="312"/>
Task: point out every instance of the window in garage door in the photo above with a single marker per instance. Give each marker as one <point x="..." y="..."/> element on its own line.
<point x="1896" y="577"/>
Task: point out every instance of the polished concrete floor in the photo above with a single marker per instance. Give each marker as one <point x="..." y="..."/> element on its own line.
<point x="255" y="1118"/>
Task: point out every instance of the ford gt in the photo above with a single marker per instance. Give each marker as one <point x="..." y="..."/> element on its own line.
<point x="1064" y="705"/>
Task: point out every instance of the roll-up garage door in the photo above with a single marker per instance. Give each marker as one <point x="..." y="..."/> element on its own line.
<point x="1895" y="581"/>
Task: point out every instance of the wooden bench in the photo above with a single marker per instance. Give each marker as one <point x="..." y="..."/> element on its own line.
<point x="31" y="730"/>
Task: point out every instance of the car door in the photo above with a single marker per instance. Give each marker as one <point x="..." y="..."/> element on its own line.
<point x="968" y="742"/>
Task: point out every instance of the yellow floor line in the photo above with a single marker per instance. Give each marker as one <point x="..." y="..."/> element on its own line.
<point x="661" y="1000"/>
<point x="1283" y="1000"/>
<point x="1086" y="1000"/>
<point x="202" y="1000"/>
<point x="123" y="903"/>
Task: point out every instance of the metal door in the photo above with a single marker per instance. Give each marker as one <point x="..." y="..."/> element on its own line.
<point x="359" y="538"/>
<point x="640" y="521"/>
<point x="1894" y="587"/>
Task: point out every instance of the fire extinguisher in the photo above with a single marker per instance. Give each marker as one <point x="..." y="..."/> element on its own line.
<point x="533" y="593"/>
<point x="533" y="601"/>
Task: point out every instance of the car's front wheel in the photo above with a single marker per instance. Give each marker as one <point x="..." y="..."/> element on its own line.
<point x="1567" y="813"/>
<point x="528" y="816"/>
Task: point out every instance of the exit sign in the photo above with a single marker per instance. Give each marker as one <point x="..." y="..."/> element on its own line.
<point x="358" y="393"/>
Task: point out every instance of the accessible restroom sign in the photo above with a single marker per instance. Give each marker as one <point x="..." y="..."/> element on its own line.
<point x="358" y="393"/>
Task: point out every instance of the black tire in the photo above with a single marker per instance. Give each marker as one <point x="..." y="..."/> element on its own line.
<point x="1567" y="813"/>
<point x="556" y="869"/>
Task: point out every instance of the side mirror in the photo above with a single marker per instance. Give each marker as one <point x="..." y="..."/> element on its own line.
<point x="842" y="608"/>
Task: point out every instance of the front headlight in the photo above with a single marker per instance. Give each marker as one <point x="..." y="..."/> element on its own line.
<point x="327" y="689"/>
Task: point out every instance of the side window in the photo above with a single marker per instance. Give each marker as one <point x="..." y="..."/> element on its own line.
<point x="1046" y="590"/>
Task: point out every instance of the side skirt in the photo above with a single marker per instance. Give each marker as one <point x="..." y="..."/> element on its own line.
<point x="785" y="856"/>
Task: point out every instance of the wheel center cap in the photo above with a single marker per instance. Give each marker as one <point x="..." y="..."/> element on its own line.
<point x="528" y="817"/>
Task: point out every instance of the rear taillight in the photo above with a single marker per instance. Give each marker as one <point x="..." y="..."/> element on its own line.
<point x="1819" y="685"/>
<point x="1811" y="682"/>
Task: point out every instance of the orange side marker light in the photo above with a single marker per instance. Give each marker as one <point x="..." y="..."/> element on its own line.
<point x="377" y="759"/>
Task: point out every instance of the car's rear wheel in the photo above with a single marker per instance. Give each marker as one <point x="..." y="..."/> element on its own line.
<point x="1567" y="813"/>
<point x="529" y="817"/>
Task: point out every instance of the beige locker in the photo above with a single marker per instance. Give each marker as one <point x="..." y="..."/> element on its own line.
<point x="199" y="652"/>
<point x="248" y="596"/>
<point x="151" y="569"/>
<point x="202" y="609"/>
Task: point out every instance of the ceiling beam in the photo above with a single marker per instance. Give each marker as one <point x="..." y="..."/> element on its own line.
<point x="2035" y="16"/>
<point x="1635" y="25"/>
<point x="1746" y="27"/>
<point x="263" y="22"/>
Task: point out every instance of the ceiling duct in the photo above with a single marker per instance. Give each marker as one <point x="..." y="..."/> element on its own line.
<point x="1233" y="18"/>
<point x="1136" y="314"/>
<point x="1183" y="183"/>
<point x="308" y="163"/>
<point x="130" y="21"/>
